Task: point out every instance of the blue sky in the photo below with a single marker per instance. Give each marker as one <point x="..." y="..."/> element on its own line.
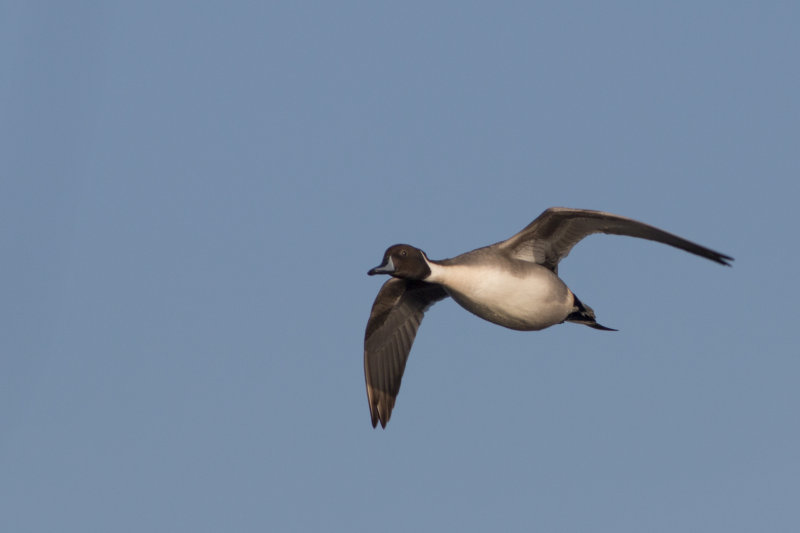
<point x="191" y="195"/>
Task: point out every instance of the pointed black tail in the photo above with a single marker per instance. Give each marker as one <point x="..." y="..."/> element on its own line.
<point x="583" y="314"/>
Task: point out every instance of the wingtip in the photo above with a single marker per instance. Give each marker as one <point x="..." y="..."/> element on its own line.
<point x="383" y="417"/>
<point x="382" y="421"/>
<point x="722" y="259"/>
<point x="377" y="415"/>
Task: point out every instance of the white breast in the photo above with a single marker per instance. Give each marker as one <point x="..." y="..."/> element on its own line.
<point x="528" y="297"/>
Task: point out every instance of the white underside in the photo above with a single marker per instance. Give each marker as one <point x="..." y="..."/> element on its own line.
<point x="530" y="298"/>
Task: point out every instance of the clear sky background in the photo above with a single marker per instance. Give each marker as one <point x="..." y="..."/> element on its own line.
<point x="191" y="195"/>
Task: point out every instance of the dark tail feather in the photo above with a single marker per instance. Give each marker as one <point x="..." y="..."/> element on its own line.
<point x="600" y="327"/>
<point x="583" y="314"/>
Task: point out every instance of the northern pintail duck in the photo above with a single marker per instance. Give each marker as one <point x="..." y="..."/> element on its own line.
<point x="513" y="283"/>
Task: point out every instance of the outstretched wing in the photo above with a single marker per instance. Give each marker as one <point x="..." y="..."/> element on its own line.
<point x="549" y="239"/>
<point x="391" y="329"/>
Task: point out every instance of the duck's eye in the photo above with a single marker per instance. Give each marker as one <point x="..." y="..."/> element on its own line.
<point x="403" y="253"/>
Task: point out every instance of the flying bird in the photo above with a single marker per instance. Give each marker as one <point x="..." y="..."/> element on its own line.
<point x="512" y="283"/>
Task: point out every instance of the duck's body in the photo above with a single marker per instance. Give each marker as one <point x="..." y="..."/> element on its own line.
<point x="509" y="292"/>
<point x="513" y="283"/>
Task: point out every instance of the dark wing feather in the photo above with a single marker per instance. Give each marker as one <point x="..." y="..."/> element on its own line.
<point x="392" y="326"/>
<point x="548" y="239"/>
